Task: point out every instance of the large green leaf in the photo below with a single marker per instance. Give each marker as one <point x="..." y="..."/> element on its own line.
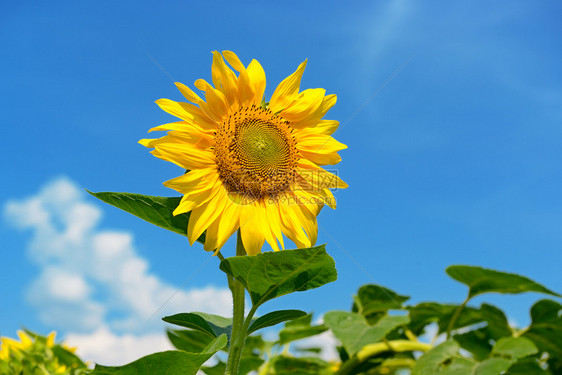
<point x="375" y="299"/>
<point x="255" y="345"/>
<point x="527" y="366"/>
<point x="476" y="342"/>
<point x="491" y="366"/>
<point x="298" y="329"/>
<point x="481" y="280"/>
<point x="273" y="274"/>
<point x="497" y="322"/>
<point x="190" y="320"/>
<point x="173" y="362"/>
<point x="457" y="366"/>
<point x="189" y="340"/>
<point x="273" y="318"/>
<point x="247" y="364"/>
<point x="425" y="313"/>
<point x="213" y="325"/>
<point x="432" y="361"/>
<point x="288" y="365"/>
<point x="514" y="347"/>
<point x="155" y="210"/>
<point x="354" y="332"/>
<point x="546" y="326"/>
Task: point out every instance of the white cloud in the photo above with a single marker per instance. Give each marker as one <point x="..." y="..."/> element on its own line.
<point x="93" y="283"/>
<point x="105" y="347"/>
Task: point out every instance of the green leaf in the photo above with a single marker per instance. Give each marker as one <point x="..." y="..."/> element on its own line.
<point x="457" y="366"/>
<point x="481" y="280"/>
<point x="304" y="321"/>
<point x="476" y="342"/>
<point x="249" y="364"/>
<point x="274" y="318"/>
<point x="546" y="327"/>
<point x="432" y="361"/>
<point x="255" y="345"/>
<point x="298" y="329"/>
<point x="298" y="333"/>
<point x="273" y="274"/>
<point x="213" y="325"/>
<point x="190" y="320"/>
<point x="66" y="357"/>
<point x="425" y="313"/>
<point x="171" y="362"/>
<point x="155" y="210"/>
<point x="189" y="340"/>
<point x="492" y="366"/>
<point x="300" y="366"/>
<point x="372" y="299"/>
<point x="527" y="366"/>
<point x="514" y="347"/>
<point x="497" y="322"/>
<point x="217" y="369"/>
<point x="354" y="332"/>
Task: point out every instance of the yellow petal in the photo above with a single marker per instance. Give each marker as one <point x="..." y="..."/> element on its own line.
<point x="204" y="215"/>
<point x="175" y="109"/>
<point x="308" y="222"/>
<point x="246" y="90"/>
<point x="183" y="126"/>
<point x="312" y="121"/>
<point x="211" y="236"/>
<point x="229" y="223"/>
<point x="216" y="106"/>
<point x="51" y="339"/>
<point x="233" y="60"/>
<point x="319" y="143"/>
<point x="326" y="127"/>
<point x="188" y="93"/>
<point x="274" y="221"/>
<point x="251" y="230"/>
<point x="256" y="76"/>
<point x="317" y="178"/>
<point x="26" y="341"/>
<point x="193" y="180"/>
<point x="304" y="106"/>
<point x="321" y="159"/>
<point x="185" y="155"/>
<point x="224" y="79"/>
<point x="283" y="96"/>
<point x="292" y="227"/>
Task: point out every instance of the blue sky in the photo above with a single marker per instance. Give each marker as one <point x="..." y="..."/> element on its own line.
<point x="455" y="160"/>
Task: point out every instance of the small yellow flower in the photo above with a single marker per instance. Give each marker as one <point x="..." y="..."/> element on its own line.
<point x="51" y="339"/>
<point x="4" y="351"/>
<point x="252" y="165"/>
<point x="60" y="369"/>
<point x="26" y="341"/>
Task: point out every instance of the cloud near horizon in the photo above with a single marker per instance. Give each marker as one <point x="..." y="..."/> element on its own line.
<point x="92" y="284"/>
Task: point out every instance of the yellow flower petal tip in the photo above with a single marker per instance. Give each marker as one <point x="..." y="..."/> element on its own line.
<point x="253" y="166"/>
<point x="51" y="339"/>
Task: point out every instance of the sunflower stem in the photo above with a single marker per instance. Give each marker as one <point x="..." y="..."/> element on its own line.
<point x="455" y="316"/>
<point x="238" y="336"/>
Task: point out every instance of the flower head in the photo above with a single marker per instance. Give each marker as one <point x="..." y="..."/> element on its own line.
<point x="251" y="165"/>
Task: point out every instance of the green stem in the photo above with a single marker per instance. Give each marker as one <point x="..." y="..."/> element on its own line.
<point x="370" y="350"/>
<point x="455" y="317"/>
<point x="238" y="335"/>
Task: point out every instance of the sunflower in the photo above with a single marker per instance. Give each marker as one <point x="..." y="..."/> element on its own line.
<point x="251" y="165"/>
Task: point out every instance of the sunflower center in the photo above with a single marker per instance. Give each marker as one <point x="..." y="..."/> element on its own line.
<point x="256" y="153"/>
